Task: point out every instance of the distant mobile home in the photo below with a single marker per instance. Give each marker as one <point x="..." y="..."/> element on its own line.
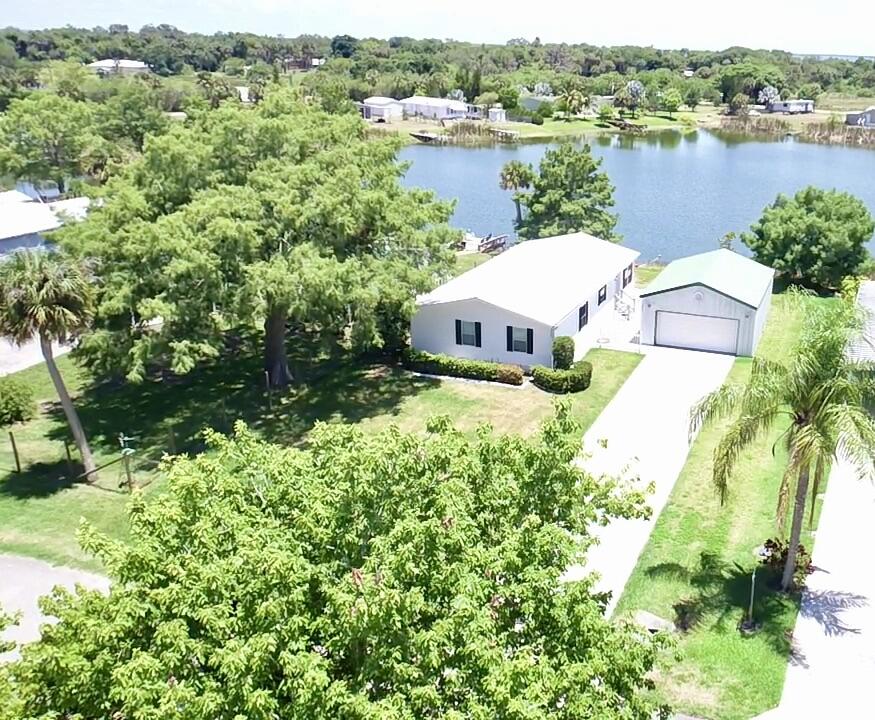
<point x="864" y="118"/>
<point x="793" y="107"/>
<point x="381" y="109"/>
<point x="122" y="66"/>
<point x="437" y="108"/>
<point x="510" y="308"/>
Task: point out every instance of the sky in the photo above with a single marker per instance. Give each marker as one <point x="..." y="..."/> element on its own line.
<point x="841" y="27"/>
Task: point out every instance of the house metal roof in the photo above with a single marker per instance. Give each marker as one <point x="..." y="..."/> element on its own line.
<point x="435" y="102"/>
<point x="725" y="271"/>
<point x="8" y="196"/>
<point x="27" y="218"/>
<point x="379" y="100"/>
<point x="543" y="279"/>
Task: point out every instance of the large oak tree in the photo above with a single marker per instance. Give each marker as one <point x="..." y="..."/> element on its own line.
<point x="267" y="216"/>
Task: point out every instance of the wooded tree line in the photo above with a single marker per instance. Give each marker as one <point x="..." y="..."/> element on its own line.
<point x="403" y="66"/>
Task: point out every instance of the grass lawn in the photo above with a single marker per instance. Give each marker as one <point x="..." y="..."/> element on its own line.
<point x="645" y="274"/>
<point x="700" y="555"/>
<point x="468" y="261"/>
<point x="40" y="510"/>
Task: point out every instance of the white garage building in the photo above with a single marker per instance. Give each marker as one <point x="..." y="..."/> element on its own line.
<point x="716" y="301"/>
<point x="382" y="109"/>
<point x="510" y="308"/>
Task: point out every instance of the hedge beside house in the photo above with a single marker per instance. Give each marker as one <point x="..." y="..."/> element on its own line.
<point x="575" y="379"/>
<point x="431" y="364"/>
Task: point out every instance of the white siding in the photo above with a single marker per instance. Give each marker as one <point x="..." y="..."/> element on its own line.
<point x="569" y="324"/>
<point x="709" y="303"/>
<point x="434" y="330"/>
<point x="762" y="315"/>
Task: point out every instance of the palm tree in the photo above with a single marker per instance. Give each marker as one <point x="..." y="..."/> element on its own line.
<point x="516" y="176"/>
<point x="50" y="297"/>
<point x="819" y="396"/>
<point x="575" y="101"/>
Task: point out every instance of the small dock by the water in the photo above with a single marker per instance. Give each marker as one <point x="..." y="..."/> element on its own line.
<point x="505" y="135"/>
<point x="429" y="137"/>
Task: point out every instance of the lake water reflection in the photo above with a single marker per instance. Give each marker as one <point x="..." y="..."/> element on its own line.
<point x="676" y="193"/>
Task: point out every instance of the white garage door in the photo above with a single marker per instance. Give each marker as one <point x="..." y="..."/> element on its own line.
<point x="697" y="332"/>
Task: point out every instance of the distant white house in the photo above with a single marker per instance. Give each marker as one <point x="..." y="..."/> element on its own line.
<point x="437" y="108"/>
<point x="381" y="109"/>
<point x="23" y="221"/>
<point x="119" y="67"/>
<point x="511" y="307"/>
<point x="497" y="114"/>
<point x="793" y="107"/>
<point x="864" y="118"/>
<point x="716" y="301"/>
<point x="317" y="62"/>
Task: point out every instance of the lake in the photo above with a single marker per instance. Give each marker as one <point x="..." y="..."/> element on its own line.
<point x="676" y="193"/>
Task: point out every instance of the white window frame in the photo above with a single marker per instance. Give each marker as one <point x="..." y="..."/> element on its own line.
<point x="520" y="339"/>
<point x="465" y="336"/>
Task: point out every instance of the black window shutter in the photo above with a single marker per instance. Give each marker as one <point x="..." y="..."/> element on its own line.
<point x="458" y="332"/>
<point x="477" y="334"/>
<point x="530" y="341"/>
<point x="510" y="338"/>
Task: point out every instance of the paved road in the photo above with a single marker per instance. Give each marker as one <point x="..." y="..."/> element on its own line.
<point x="23" y="581"/>
<point x="646" y="427"/>
<point x="832" y="671"/>
<point x="14" y="358"/>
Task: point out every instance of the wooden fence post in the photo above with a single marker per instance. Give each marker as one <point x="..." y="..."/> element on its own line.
<point x="15" y="452"/>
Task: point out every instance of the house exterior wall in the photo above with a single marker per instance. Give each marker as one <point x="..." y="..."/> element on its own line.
<point x="569" y="324"/>
<point x="792" y="106"/>
<point x="433" y="329"/>
<point x="383" y="112"/>
<point x="438" y="112"/>
<point x="862" y="119"/>
<point x="713" y="304"/>
<point x="762" y="315"/>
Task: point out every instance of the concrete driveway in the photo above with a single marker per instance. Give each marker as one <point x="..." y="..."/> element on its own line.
<point x="832" y="669"/>
<point x="14" y="358"/>
<point x="646" y="428"/>
<point x="23" y="581"/>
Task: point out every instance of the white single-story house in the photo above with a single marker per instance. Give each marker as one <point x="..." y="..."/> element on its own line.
<point x="497" y="114"/>
<point x="118" y="67"/>
<point x="511" y="307"/>
<point x="864" y="118"/>
<point x="23" y="221"/>
<point x="794" y="107"/>
<point x="438" y="108"/>
<point x="383" y="109"/>
<point x="716" y="301"/>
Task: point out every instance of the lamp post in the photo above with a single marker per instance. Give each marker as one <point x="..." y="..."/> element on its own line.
<point x="761" y="553"/>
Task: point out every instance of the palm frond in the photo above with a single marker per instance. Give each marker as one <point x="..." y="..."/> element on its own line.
<point x="715" y="405"/>
<point x="744" y="431"/>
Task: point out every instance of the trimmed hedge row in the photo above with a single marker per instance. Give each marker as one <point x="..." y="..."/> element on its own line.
<point x="430" y="364"/>
<point x="575" y="379"/>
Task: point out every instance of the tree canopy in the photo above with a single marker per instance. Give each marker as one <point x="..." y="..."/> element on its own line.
<point x="370" y="576"/>
<point x="257" y="217"/>
<point x="817" y="236"/>
<point x="569" y="194"/>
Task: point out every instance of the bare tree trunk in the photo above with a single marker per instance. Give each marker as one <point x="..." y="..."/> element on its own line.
<point x="69" y="410"/>
<point x="796" y="528"/>
<point x="519" y="212"/>
<point x="276" y="362"/>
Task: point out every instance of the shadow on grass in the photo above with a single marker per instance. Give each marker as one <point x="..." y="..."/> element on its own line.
<point x="721" y="596"/>
<point x="37" y="480"/>
<point x="167" y="413"/>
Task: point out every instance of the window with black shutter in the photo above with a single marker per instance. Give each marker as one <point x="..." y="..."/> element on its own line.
<point x="583" y="316"/>
<point x="467" y="333"/>
<point x="520" y="339"/>
<point x="603" y="294"/>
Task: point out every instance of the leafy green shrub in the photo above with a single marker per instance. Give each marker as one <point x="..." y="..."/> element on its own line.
<point x="563" y="352"/>
<point x="432" y="364"/>
<point x="575" y="379"/>
<point x="16" y="401"/>
<point x="776" y="559"/>
<point x="537" y="120"/>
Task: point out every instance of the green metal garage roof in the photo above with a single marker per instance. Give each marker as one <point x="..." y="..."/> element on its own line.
<point x="724" y="271"/>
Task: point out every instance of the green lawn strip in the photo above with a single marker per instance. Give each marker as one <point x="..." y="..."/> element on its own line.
<point x="39" y="512"/>
<point x="468" y="261"/>
<point x="700" y="556"/>
<point x="645" y="274"/>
